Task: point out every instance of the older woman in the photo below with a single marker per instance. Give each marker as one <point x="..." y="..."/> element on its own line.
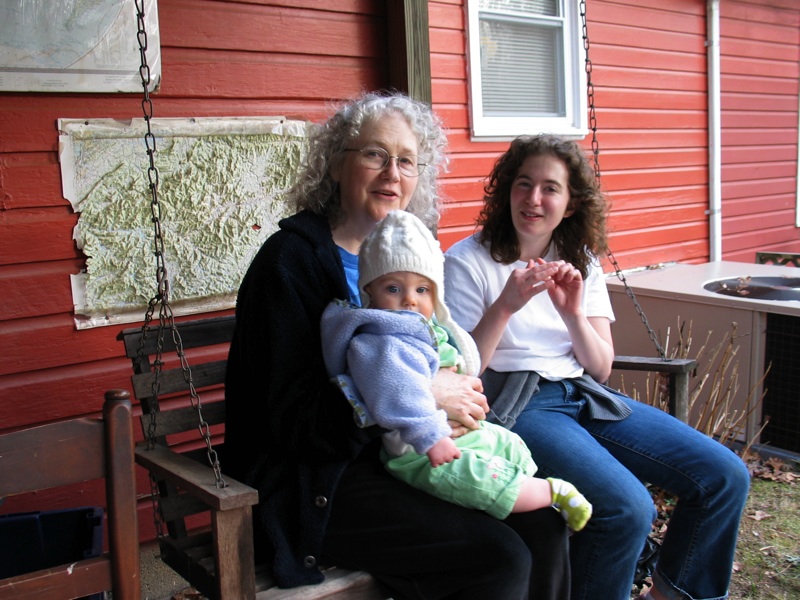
<point x="324" y="495"/>
<point x="530" y="289"/>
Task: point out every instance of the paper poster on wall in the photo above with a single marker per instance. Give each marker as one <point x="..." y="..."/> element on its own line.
<point x="220" y="195"/>
<point x="76" y="46"/>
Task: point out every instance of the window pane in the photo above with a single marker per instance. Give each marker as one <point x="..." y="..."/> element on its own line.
<point x="530" y="7"/>
<point x="521" y="69"/>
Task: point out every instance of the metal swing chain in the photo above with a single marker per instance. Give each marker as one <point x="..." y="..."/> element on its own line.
<point x="166" y="316"/>
<point x="596" y="163"/>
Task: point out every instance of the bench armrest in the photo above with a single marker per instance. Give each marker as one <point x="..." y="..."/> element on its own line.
<point x="195" y="479"/>
<point x="647" y="363"/>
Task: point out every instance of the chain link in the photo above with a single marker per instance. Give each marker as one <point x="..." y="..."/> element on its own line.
<point x="596" y="163"/>
<point x="166" y="318"/>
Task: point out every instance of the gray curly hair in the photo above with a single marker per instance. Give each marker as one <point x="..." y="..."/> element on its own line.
<point x="314" y="188"/>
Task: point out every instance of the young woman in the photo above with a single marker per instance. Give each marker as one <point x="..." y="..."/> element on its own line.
<point x="530" y="289"/>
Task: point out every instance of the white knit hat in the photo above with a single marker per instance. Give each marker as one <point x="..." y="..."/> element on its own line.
<point x="401" y="242"/>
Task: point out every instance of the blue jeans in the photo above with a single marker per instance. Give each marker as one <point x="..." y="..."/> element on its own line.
<point x="608" y="461"/>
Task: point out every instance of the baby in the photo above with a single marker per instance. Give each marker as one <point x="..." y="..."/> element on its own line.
<point x="384" y="358"/>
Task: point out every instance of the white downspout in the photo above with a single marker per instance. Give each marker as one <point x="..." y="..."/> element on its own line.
<point x="714" y="133"/>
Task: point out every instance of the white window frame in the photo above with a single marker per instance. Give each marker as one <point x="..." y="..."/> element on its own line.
<point x="573" y="125"/>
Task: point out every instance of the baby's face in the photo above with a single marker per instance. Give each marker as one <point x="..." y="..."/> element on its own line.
<point x="403" y="290"/>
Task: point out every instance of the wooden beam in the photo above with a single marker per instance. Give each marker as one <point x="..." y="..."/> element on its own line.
<point x="409" y="48"/>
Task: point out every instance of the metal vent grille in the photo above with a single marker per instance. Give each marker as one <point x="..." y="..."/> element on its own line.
<point x="782" y="384"/>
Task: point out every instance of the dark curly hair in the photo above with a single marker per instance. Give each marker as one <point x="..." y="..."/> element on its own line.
<point x="578" y="238"/>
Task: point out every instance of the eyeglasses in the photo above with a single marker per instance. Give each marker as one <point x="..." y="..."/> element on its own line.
<point x="377" y="158"/>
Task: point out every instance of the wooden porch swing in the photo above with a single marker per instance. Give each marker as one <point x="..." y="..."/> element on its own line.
<point x="218" y="559"/>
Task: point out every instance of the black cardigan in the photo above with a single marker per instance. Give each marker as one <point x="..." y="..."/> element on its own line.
<point x="289" y="432"/>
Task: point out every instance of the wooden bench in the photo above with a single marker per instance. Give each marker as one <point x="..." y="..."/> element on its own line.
<point x="220" y="562"/>
<point x="216" y="557"/>
<point x="71" y="452"/>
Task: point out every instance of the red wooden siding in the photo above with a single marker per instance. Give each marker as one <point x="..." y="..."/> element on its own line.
<point x="219" y="59"/>
<point x="650" y="75"/>
<point x="649" y="72"/>
<point x="760" y="66"/>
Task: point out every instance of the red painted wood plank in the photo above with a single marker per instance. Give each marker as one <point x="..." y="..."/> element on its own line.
<point x="761" y="67"/>
<point x="449" y="66"/>
<point x="762" y="204"/>
<point x="751" y="241"/>
<point x="37" y="289"/>
<point x="662" y="217"/>
<point x="450" y="235"/>
<point x="757" y="85"/>
<point x="636" y="37"/>
<point x="733" y="156"/>
<point x="459" y="142"/>
<point x="448" y="41"/>
<point x="636" y="140"/>
<point x="61" y="392"/>
<point x="758" y="137"/>
<point x="269" y="29"/>
<point x="774" y="220"/>
<point x="78" y="387"/>
<point x="453" y="116"/>
<point x="201" y="74"/>
<point x="28" y="121"/>
<point x="659" y="236"/>
<point x="598" y="10"/>
<point x="760" y="171"/>
<point x="753" y="17"/>
<point x="464" y="190"/>
<point x="758" y="189"/>
<point x="625" y="98"/>
<point x="30" y="180"/>
<point x="642" y="179"/>
<point x="648" y="58"/>
<point x="764" y="102"/>
<point x="360" y="7"/>
<point x="461" y="215"/>
<point x="634" y="118"/>
<point x="33" y="235"/>
<point x="52" y="341"/>
<point x="692" y="251"/>
<point x="446" y="16"/>
<point x="449" y="91"/>
<point x="653" y="158"/>
<point x="759" y="119"/>
<point x="622" y="77"/>
<point x="654" y="198"/>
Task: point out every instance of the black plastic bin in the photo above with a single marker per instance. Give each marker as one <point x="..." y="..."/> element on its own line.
<point x="39" y="540"/>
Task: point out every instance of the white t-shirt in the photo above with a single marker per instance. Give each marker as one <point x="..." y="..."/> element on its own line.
<point x="536" y="338"/>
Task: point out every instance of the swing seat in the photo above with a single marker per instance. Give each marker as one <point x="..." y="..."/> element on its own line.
<point x="207" y="531"/>
<point x="216" y="555"/>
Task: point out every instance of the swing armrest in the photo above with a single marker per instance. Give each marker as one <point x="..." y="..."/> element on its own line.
<point x="195" y="479"/>
<point x="677" y="371"/>
<point x="647" y="363"/>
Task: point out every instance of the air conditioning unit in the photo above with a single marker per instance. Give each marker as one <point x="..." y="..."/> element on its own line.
<point x="763" y="301"/>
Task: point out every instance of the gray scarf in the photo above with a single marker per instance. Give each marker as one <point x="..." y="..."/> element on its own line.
<point x="510" y="392"/>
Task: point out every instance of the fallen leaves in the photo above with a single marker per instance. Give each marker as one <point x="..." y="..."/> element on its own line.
<point x="773" y="469"/>
<point x="759" y="515"/>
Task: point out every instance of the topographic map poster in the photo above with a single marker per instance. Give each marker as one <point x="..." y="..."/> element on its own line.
<point x="76" y="46"/>
<point x="220" y="193"/>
